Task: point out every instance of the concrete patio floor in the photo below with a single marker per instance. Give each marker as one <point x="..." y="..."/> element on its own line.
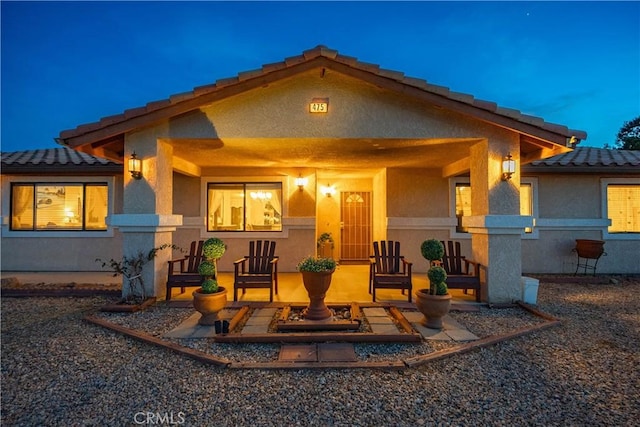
<point x="350" y="283"/>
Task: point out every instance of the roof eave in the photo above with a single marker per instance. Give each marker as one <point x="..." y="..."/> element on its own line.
<point x="157" y="111"/>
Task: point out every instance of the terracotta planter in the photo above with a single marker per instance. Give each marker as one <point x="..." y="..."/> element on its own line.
<point x="317" y="285"/>
<point x="209" y="305"/>
<point x="433" y="307"/>
<point x="589" y="248"/>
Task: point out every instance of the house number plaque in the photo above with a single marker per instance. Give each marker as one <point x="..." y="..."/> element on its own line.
<point x="319" y="106"/>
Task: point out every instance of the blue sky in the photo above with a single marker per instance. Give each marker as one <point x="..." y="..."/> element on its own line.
<point x="69" y="63"/>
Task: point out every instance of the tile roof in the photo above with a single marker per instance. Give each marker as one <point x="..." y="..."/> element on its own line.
<point x="589" y="159"/>
<point x="60" y="160"/>
<point x="65" y="161"/>
<point x="436" y="93"/>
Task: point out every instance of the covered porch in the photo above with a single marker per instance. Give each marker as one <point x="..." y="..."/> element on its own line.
<point x="350" y="283"/>
<point x="331" y="119"/>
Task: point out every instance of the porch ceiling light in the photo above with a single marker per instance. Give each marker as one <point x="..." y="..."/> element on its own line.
<point x="328" y="190"/>
<point x="508" y="167"/>
<point x="301" y="182"/>
<point x="135" y="166"/>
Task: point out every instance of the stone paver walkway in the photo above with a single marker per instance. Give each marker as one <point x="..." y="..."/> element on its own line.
<point x="451" y="331"/>
<point x="377" y="317"/>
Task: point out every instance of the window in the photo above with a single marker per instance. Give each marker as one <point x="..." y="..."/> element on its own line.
<point x="526" y="202"/>
<point x="623" y="208"/>
<point x="244" y="207"/>
<point x="57" y="206"/>
<point x="463" y="203"/>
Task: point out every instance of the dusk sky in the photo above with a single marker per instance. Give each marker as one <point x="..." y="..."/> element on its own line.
<point x="69" y="63"/>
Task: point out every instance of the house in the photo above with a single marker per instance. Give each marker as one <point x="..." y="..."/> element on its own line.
<point x="322" y="142"/>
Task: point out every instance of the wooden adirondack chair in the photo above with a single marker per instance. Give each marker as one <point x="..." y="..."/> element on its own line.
<point x="183" y="272"/>
<point x="460" y="275"/>
<point x="388" y="269"/>
<point x="257" y="270"/>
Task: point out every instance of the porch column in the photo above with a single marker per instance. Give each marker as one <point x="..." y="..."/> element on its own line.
<point x="147" y="220"/>
<point x="496" y="225"/>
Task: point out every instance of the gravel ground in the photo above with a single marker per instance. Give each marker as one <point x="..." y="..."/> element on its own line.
<point x="59" y="370"/>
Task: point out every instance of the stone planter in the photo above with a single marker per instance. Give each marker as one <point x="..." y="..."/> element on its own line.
<point x="209" y="305"/>
<point x="317" y="284"/>
<point x="433" y="307"/>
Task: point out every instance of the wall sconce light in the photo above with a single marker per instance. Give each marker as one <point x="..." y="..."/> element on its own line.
<point x="135" y="166"/>
<point x="301" y="182"/>
<point x="508" y="167"/>
<point x="328" y="190"/>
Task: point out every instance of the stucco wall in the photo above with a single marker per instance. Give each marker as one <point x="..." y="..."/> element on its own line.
<point x="554" y="252"/>
<point x="417" y="198"/>
<point x="570" y="208"/>
<point x="569" y="196"/>
<point x="58" y="250"/>
<point x="416" y="193"/>
<point x="356" y="109"/>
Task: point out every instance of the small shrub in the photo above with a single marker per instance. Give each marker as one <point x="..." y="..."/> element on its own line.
<point x="131" y="268"/>
<point x="432" y="250"/>
<point x="213" y="248"/>
<point x="437" y="274"/>
<point x="317" y="265"/>
<point x="437" y="277"/>
<point x="209" y="286"/>
<point x="325" y="238"/>
<point x="441" y="288"/>
<point x="207" y="269"/>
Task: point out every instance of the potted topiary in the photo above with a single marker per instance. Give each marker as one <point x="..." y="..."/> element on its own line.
<point x="210" y="298"/>
<point x="316" y="277"/>
<point x="434" y="303"/>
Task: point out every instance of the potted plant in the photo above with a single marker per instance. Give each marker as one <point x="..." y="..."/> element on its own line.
<point x="316" y="277"/>
<point x="210" y="298"/>
<point x="325" y="241"/>
<point x="134" y="294"/>
<point x="434" y="303"/>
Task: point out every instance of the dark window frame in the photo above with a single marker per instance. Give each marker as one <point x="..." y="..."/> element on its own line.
<point x="246" y="193"/>
<point x="34" y="185"/>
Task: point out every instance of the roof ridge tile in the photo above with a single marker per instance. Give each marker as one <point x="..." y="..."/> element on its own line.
<point x="246" y="75"/>
<point x="391" y="74"/>
<point x="179" y="97"/>
<point x="293" y="60"/>
<point x="462" y="97"/>
<point x="273" y="66"/>
<point x="485" y="105"/>
<point x="228" y="81"/>
<point x="440" y="90"/>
